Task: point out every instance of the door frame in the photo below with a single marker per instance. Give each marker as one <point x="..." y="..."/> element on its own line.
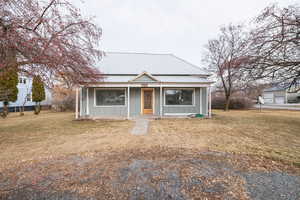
<point x="142" y="99"/>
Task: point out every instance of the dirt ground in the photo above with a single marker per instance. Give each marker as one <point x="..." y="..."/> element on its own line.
<point x="234" y="155"/>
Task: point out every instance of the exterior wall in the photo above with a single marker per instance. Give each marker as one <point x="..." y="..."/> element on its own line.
<point x="101" y="111"/>
<point x="135" y="104"/>
<point x="281" y="93"/>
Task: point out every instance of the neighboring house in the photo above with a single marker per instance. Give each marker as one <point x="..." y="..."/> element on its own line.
<point x="137" y="84"/>
<point x="25" y="96"/>
<point x="275" y="95"/>
<point x="280" y="95"/>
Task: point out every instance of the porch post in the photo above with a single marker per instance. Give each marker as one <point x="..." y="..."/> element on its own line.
<point x="128" y="102"/>
<point x="209" y="102"/>
<point x="87" y="102"/>
<point x="76" y="108"/>
<point x="80" y="102"/>
<point x="160" y="101"/>
<point x="200" y="100"/>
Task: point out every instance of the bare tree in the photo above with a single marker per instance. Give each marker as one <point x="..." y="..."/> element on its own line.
<point x="225" y="56"/>
<point x="276" y="45"/>
<point x="49" y="38"/>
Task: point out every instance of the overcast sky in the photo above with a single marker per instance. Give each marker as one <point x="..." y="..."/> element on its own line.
<point x="181" y="27"/>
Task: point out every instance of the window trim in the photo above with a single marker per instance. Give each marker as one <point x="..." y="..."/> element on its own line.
<point x="193" y="98"/>
<point x="114" y="106"/>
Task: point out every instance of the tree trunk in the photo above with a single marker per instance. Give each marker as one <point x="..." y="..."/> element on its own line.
<point x="37" y="109"/>
<point x="227" y="103"/>
<point x="22" y="109"/>
<point x="5" y="109"/>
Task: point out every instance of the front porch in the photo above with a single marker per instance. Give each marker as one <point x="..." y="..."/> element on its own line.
<point x="144" y="100"/>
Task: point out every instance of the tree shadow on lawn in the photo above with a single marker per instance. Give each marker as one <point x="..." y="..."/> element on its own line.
<point x="153" y="174"/>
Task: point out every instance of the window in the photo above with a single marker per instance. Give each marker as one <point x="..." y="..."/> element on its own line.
<point x="179" y="97"/>
<point x="22" y="80"/>
<point x="28" y="97"/>
<point x="110" y="97"/>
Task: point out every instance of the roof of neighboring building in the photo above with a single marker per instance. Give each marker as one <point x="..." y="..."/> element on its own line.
<point x="273" y="89"/>
<point x="154" y="64"/>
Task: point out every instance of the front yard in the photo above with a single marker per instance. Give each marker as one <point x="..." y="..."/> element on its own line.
<point x="274" y="134"/>
<point x="234" y="155"/>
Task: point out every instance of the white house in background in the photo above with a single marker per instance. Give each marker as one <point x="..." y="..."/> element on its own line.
<point x="25" y="95"/>
<point x="275" y="95"/>
<point x="280" y="95"/>
<point x="137" y="84"/>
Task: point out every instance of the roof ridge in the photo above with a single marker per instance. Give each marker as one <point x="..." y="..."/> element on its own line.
<point x="119" y="52"/>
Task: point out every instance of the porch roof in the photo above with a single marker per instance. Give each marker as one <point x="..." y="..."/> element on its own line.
<point x="162" y="79"/>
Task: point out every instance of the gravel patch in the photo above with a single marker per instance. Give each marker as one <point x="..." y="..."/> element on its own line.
<point x="207" y="175"/>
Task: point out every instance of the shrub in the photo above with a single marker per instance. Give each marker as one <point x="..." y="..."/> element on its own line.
<point x="63" y="99"/>
<point x="235" y="103"/>
<point x="38" y="93"/>
<point x="8" y="88"/>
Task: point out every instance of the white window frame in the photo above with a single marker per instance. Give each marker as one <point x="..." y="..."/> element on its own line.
<point x="194" y="100"/>
<point x="114" y="106"/>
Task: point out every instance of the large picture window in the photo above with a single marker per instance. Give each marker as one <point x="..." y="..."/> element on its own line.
<point x="110" y="97"/>
<point x="179" y="97"/>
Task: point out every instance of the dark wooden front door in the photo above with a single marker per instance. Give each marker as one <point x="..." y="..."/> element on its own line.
<point x="148" y="101"/>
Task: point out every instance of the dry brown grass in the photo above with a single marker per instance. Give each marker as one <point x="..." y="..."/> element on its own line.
<point x="274" y="134"/>
<point x="57" y="134"/>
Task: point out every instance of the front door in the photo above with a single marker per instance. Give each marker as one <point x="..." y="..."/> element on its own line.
<point x="147" y="101"/>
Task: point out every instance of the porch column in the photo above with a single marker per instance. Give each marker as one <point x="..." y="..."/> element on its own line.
<point x="128" y="103"/>
<point x="200" y="100"/>
<point x="207" y="99"/>
<point x="87" y="102"/>
<point x="209" y="102"/>
<point x="160" y="101"/>
<point x="80" y="102"/>
<point x="76" y="104"/>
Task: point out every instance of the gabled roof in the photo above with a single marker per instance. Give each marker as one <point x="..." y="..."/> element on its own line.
<point x="145" y="76"/>
<point x="118" y="63"/>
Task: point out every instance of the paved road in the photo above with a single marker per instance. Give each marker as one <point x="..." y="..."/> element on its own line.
<point x="280" y="106"/>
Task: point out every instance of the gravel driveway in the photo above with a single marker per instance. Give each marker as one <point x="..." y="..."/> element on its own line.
<point x="151" y="175"/>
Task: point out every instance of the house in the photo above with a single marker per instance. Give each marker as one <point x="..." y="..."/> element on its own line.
<point x="25" y="96"/>
<point x="281" y="95"/>
<point x="275" y="95"/>
<point x="137" y="84"/>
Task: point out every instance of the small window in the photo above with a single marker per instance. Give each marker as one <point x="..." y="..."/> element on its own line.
<point x="20" y="80"/>
<point x="28" y="97"/>
<point x="24" y="80"/>
<point x="110" y="97"/>
<point x="179" y="96"/>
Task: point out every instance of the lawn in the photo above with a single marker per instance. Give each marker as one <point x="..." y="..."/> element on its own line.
<point x="274" y="134"/>
<point x="56" y="157"/>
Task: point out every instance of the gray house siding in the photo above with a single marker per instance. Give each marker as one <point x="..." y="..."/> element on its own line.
<point x="101" y="111"/>
<point x="135" y="101"/>
<point x="135" y="104"/>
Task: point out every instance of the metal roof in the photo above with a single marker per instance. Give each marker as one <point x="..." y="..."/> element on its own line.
<point x="273" y="89"/>
<point x="154" y="64"/>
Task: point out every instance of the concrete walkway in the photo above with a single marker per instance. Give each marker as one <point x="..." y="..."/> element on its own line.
<point x="141" y="126"/>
